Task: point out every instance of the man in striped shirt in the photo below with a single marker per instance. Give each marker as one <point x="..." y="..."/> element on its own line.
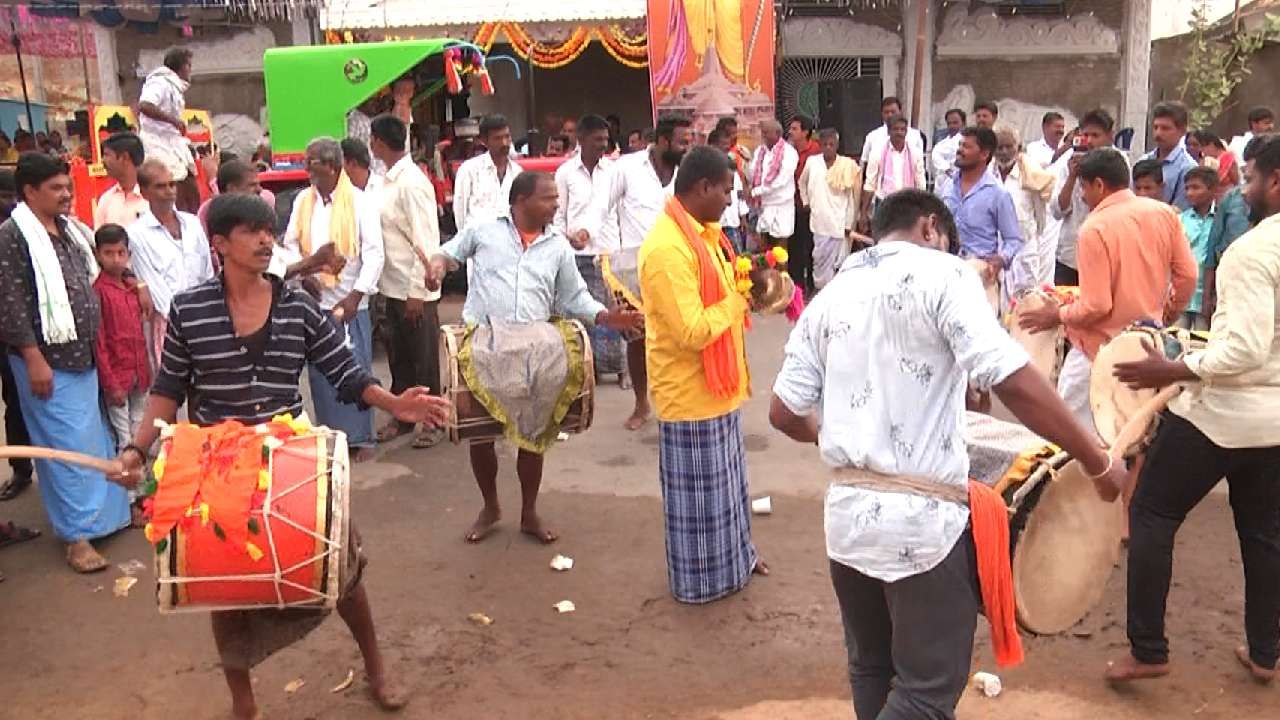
<point x="237" y="345"/>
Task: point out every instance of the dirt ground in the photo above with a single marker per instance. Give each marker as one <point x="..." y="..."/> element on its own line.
<point x="71" y="649"/>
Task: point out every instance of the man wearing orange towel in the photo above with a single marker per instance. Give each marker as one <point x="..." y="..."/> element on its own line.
<point x="697" y="364"/>
<point x="875" y="374"/>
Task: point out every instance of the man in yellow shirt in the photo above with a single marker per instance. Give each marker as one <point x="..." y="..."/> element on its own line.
<point x="697" y="366"/>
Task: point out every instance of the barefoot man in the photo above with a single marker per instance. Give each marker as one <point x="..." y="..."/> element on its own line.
<point x="875" y="374"/>
<point x="236" y="345"/>
<point x="1226" y="424"/>
<point x="694" y="318"/>
<point x="523" y="272"/>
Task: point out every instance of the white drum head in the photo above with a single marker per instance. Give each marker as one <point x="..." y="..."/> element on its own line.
<point x="1111" y="401"/>
<point x="1065" y="555"/>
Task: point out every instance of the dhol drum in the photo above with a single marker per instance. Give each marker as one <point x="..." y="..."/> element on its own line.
<point x="472" y="422"/>
<point x="300" y="533"/>
<point x="621" y="272"/>
<point x="1047" y="349"/>
<point x="1113" y="403"/>
<point x="1064" y="539"/>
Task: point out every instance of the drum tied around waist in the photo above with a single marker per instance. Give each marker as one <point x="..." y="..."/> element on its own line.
<point x="250" y="516"/>
<point x="526" y="382"/>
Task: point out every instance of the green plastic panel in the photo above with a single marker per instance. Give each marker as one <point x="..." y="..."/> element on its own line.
<point x="311" y="88"/>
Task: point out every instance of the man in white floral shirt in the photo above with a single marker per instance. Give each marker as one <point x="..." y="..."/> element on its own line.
<point x="875" y="373"/>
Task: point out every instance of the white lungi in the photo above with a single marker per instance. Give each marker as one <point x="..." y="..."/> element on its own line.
<point x="1073" y="386"/>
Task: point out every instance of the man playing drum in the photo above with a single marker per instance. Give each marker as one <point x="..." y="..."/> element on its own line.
<point x="1128" y="250"/>
<point x="524" y="271"/>
<point x="875" y="374"/>
<point x="215" y="352"/>
<point x="1227" y="425"/>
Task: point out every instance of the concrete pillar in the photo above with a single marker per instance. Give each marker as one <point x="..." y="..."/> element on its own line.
<point x="1135" y="72"/>
<point x="906" y="82"/>
<point x="104" y="40"/>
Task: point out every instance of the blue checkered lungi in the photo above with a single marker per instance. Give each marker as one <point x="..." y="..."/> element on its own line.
<point x="607" y="345"/>
<point x="708" y="516"/>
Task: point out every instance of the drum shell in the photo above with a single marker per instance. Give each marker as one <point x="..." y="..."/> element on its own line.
<point x="310" y="488"/>
<point x="473" y="423"/>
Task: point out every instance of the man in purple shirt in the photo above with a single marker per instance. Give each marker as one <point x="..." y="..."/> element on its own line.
<point x="984" y="211"/>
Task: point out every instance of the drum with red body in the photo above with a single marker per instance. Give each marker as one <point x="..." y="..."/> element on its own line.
<point x="303" y="532"/>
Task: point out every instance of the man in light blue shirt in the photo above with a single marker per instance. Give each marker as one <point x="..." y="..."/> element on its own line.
<point x="523" y="271"/>
<point x="1169" y="128"/>
<point x="984" y="211"/>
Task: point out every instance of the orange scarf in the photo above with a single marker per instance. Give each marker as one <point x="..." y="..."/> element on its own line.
<point x="990" y="522"/>
<point x="720" y="358"/>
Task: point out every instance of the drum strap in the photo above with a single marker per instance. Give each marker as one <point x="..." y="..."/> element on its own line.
<point x="869" y="480"/>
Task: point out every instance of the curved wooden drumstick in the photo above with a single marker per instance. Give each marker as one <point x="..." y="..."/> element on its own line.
<point x="1138" y="423"/>
<point x="109" y="467"/>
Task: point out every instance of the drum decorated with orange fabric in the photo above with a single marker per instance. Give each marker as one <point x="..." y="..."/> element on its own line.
<point x="472" y="398"/>
<point x="1064" y="539"/>
<point x="282" y="542"/>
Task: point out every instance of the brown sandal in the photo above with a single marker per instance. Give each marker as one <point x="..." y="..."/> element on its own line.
<point x="84" y="559"/>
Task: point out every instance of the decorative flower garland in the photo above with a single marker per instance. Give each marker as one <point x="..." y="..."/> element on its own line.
<point x="630" y="50"/>
<point x="218" y="474"/>
<point x="775" y="257"/>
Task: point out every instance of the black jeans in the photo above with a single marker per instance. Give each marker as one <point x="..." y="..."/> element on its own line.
<point x="15" y="428"/>
<point x="800" y="252"/>
<point x="1063" y="275"/>
<point x="413" y="351"/>
<point x="910" y="642"/>
<point x="1182" y="466"/>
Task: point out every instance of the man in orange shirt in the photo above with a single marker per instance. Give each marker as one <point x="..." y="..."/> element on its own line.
<point x="1129" y="251"/>
<point x="122" y="203"/>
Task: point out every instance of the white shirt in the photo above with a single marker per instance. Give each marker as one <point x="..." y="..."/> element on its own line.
<point x="732" y="216"/>
<point x="877" y="138"/>
<point x="160" y="140"/>
<point x="883" y="355"/>
<point x="407" y="208"/>
<point x="883" y="181"/>
<point x="1033" y="265"/>
<point x="578" y="189"/>
<point x="1238" y="144"/>
<point x="1073" y="217"/>
<point x="1041" y="153"/>
<point x="373" y="187"/>
<point x="782" y="190"/>
<point x="479" y="195"/>
<point x="1237" y="402"/>
<point x="944" y="154"/>
<point x="636" y="196"/>
<point x="169" y="265"/>
<point x="830" y="213"/>
<point x="361" y="273"/>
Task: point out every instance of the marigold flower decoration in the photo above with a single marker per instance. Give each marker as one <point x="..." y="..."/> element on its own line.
<point x="213" y="457"/>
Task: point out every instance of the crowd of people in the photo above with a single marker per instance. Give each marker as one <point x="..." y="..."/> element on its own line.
<point x="909" y="259"/>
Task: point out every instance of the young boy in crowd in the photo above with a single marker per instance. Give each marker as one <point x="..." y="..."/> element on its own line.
<point x="1148" y="179"/>
<point x="121" y="349"/>
<point x="1201" y="184"/>
<point x="124" y="374"/>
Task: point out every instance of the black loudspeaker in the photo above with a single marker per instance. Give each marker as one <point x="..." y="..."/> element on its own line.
<point x="853" y="108"/>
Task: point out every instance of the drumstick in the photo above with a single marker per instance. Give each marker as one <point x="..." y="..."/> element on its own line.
<point x="1137" y="425"/>
<point x="110" y="467"/>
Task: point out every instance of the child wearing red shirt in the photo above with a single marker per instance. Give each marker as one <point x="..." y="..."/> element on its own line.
<point x="121" y="346"/>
